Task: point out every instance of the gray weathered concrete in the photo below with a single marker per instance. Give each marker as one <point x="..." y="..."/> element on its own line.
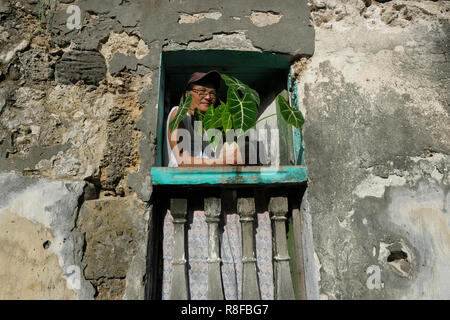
<point x="377" y="140"/>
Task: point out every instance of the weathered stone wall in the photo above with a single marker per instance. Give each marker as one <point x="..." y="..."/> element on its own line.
<point x="68" y="129"/>
<point x="375" y="96"/>
<point x="78" y="120"/>
<point x="78" y="126"/>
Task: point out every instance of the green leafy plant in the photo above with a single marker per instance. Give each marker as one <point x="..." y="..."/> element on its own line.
<point x="291" y="115"/>
<point x="239" y="112"/>
<point x="183" y="109"/>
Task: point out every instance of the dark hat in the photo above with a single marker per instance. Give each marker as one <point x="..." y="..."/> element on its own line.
<point x="212" y="76"/>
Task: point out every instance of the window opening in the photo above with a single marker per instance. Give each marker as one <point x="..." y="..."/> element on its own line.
<point x="265" y="72"/>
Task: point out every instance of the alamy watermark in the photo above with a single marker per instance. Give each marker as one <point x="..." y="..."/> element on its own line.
<point x="74" y="20"/>
<point x="257" y="146"/>
<point x="374" y="279"/>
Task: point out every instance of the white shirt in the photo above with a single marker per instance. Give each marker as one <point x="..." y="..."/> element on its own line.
<point x="187" y="121"/>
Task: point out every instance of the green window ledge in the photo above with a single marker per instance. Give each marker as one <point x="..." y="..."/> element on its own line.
<point x="228" y="175"/>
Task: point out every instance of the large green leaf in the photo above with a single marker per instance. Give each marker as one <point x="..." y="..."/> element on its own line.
<point x="243" y="109"/>
<point x="198" y="116"/>
<point x="214" y="137"/>
<point x="232" y="82"/>
<point x="213" y="117"/>
<point x="182" y="111"/>
<point x="292" y="116"/>
<point x="227" y="121"/>
<point x="213" y="120"/>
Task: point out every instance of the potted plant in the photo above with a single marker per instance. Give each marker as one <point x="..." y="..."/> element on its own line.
<point x="239" y="113"/>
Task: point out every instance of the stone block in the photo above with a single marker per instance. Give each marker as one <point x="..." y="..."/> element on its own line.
<point x="213" y="206"/>
<point x="99" y="6"/>
<point x="4" y="6"/>
<point x="76" y="65"/>
<point x="120" y="62"/>
<point x="178" y="207"/>
<point x="278" y="205"/>
<point x="36" y="64"/>
<point x="116" y="234"/>
<point x="246" y="206"/>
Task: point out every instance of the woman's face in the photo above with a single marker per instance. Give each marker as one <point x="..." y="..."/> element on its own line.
<point x="202" y="97"/>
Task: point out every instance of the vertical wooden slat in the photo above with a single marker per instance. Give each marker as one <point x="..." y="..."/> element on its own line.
<point x="250" y="286"/>
<point x="212" y="213"/>
<point x="278" y="207"/>
<point x="178" y="209"/>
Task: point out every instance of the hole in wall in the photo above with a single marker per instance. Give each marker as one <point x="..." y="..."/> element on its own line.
<point x="397" y="255"/>
<point x="46" y="244"/>
<point x="399" y="260"/>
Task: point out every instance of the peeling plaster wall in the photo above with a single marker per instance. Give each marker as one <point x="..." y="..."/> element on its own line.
<point x="78" y="133"/>
<point x="41" y="251"/>
<point x="377" y="135"/>
<point x="78" y="119"/>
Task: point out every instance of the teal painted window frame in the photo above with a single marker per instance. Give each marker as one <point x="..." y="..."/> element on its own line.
<point x="225" y="175"/>
<point x="228" y="175"/>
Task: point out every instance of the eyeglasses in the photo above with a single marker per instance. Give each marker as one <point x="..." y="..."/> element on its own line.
<point x="204" y="93"/>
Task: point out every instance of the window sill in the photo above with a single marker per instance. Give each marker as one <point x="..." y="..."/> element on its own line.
<point x="239" y="175"/>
